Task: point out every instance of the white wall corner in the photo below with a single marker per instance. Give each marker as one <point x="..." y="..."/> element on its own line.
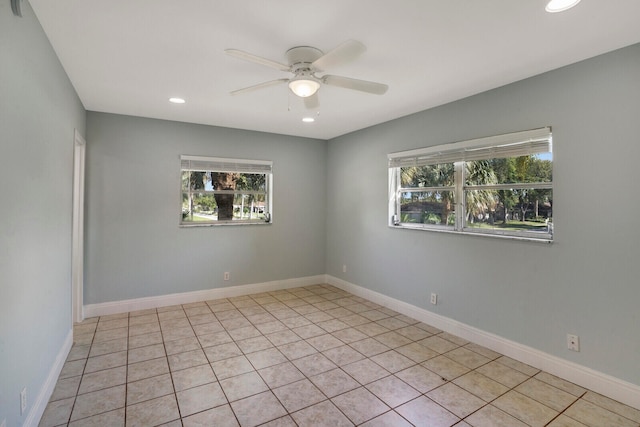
<point x="124" y="306"/>
<point x="599" y="382"/>
<point x="42" y="399"/>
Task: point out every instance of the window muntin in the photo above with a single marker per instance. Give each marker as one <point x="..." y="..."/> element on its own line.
<point x="499" y="185"/>
<point x="218" y="191"/>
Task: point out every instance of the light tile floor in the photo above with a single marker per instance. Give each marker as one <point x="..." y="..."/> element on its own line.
<point x="311" y="356"/>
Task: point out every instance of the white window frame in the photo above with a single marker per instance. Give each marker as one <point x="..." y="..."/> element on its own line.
<point x="227" y="165"/>
<point x="515" y="144"/>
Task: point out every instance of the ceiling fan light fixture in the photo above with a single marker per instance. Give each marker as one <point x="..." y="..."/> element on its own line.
<point x="303" y="86"/>
<point x="554" y="6"/>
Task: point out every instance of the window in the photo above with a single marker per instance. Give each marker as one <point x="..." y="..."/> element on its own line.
<point x="500" y="185"/>
<point x="225" y="191"/>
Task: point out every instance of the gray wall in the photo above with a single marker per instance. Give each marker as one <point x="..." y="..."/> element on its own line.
<point x="134" y="246"/>
<point x="586" y="282"/>
<point x="39" y="110"/>
<point x="330" y="208"/>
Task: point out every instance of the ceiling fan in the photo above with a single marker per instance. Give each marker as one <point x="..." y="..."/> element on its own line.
<point x="304" y="62"/>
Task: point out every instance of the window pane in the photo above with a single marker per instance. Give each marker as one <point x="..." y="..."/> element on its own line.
<point x="233" y="207"/>
<point x="510" y="211"/>
<point x="237" y="181"/>
<point x="251" y="181"/>
<point x="200" y="208"/>
<point x="249" y="207"/>
<point x="204" y="180"/>
<point x="533" y="168"/>
<point x="440" y="175"/>
<point x="428" y="207"/>
<point x="195" y="180"/>
<point x="185" y="180"/>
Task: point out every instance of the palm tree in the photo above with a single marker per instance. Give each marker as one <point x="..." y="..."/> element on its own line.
<point x="479" y="172"/>
<point x="224" y="181"/>
<point x="505" y="171"/>
<point x="438" y="175"/>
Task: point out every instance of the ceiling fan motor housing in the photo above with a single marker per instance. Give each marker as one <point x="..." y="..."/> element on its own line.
<point x="301" y="57"/>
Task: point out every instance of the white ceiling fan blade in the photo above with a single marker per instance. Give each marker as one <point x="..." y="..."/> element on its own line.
<point x="345" y="52"/>
<point x="259" y="86"/>
<point x="257" y="59"/>
<point x="355" y="84"/>
<point x="311" y="102"/>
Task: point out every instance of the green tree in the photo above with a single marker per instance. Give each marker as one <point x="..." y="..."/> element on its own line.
<point x="479" y="172"/>
<point x="224" y="181"/>
<point x="523" y="175"/>
<point x="532" y="169"/>
<point x="505" y="171"/>
<point x="540" y="171"/>
<point x="207" y="202"/>
<point x="227" y="181"/>
<point x="253" y="182"/>
<point x="196" y="181"/>
<point x="439" y="175"/>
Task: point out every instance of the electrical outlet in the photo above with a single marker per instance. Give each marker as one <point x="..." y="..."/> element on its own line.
<point x="344" y="268"/>
<point x="23" y="401"/>
<point x="573" y="342"/>
<point x="227" y="275"/>
<point x="434" y="299"/>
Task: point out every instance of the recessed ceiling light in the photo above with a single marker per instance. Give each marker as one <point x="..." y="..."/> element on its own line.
<point x="308" y="119"/>
<point x="177" y="100"/>
<point x="560" y="5"/>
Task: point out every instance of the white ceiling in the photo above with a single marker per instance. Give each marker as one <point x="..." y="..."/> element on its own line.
<point x="130" y="56"/>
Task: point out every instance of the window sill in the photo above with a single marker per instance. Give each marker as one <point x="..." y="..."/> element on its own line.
<point x="223" y="224"/>
<point x="474" y="233"/>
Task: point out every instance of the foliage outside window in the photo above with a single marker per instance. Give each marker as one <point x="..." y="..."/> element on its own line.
<point x="225" y="191"/>
<point x="500" y="185"/>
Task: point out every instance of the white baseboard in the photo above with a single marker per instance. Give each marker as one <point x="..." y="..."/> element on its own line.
<point x="599" y="382"/>
<point x="40" y="404"/>
<point x="124" y="306"/>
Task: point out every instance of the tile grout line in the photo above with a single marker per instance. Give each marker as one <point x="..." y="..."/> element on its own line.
<point x="211" y="367"/>
<point x="350" y="376"/>
<point x="126" y="370"/>
<point x="166" y="355"/>
<point x="331" y="297"/>
<point x="565" y="409"/>
<point x="75" y="398"/>
<point x="390" y="374"/>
